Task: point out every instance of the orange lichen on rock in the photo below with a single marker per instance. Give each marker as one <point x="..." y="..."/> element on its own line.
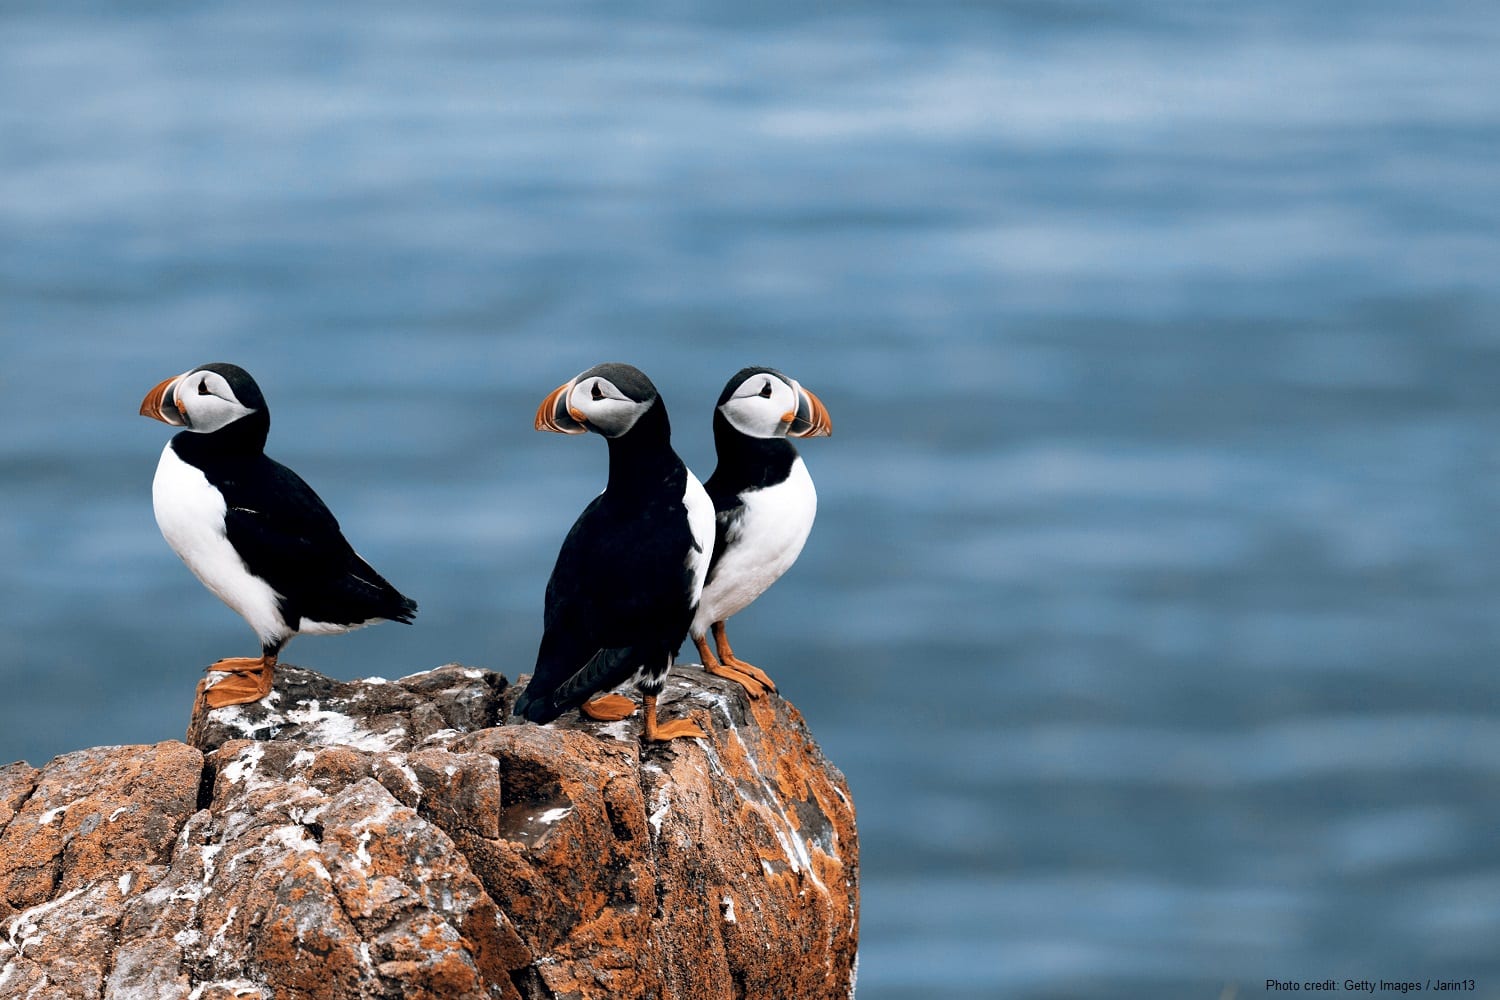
<point x="373" y="840"/>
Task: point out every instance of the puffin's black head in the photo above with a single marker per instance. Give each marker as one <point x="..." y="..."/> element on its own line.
<point x="763" y="403"/>
<point x="607" y="399"/>
<point x="206" y="399"/>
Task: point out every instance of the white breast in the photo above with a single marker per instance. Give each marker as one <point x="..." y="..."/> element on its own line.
<point x="190" y="513"/>
<point x="700" y="514"/>
<point x="772" y="528"/>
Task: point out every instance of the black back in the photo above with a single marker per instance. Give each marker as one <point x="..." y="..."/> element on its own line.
<point x="620" y="595"/>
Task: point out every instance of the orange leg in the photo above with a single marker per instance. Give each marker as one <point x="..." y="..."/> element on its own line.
<point x="752" y="687"/>
<point x="681" y="729"/>
<point x="730" y="660"/>
<point x="249" y="680"/>
<point x="608" y="708"/>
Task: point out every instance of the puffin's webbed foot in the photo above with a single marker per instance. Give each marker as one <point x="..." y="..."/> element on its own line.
<point x="680" y="729"/>
<point x="676" y="730"/>
<point x="726" y="655"/>
<point x="752" y="671"/>
<point x="249" y="680"/>
<point x="608" y="708"/>
<point x="753" y="687"/>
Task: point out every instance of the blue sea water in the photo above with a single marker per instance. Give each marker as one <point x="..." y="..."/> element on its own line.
<point x="1152" y="605"/>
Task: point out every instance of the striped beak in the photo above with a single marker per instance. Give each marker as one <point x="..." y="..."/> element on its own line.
<point x="161" y="403"/>
<point x="555" y="415"/>
<point x="811" y="418"/>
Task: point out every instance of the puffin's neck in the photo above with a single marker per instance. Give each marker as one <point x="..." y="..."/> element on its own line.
<point x="643" y="456"/>
<point x="245" y="438"/>
<point x="745" y="461"/>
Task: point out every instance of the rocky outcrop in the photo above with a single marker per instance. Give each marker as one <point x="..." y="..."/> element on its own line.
<point x="374" y="840"/>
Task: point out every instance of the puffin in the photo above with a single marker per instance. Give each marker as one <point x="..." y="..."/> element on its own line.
<point x="631" y="569"/>
<point x="252" y="531"/>
<point x="764" y="505"/>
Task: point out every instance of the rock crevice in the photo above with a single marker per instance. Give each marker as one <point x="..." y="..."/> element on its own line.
<point x="378" y="839"/>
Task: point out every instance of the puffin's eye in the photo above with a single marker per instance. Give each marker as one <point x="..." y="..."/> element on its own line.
<point x="203" y="388"/>
<point x="765" y="390"/>
<point x="596" y="394"/>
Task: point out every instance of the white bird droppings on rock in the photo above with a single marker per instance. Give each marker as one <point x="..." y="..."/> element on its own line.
<point x="244" y="765"/>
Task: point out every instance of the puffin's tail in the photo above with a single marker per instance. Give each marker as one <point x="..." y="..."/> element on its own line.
<point x="607" y="667"/>
<point x="406" y="608"/>
<point x="382" y="600"/>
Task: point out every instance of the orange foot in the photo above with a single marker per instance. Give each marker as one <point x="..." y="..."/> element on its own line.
<point x="753" y="687"/>
<point x="721" y="639"/>
<point x="678" y="730"/>
<point x="750" y="670"/>
<point x="248" y="680"/>
<point x="608" y="708"/>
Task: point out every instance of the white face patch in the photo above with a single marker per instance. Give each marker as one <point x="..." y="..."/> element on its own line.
<point x="757" y="407"/>
<point x="207" y="401"/>
<point x="608" y="410"/>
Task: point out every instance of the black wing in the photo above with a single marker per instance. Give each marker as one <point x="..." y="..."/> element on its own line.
<point x="619" y="597"/>
<point x="289" y="538"/>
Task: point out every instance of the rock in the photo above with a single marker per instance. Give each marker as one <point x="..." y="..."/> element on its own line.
<point x="372" y="714"/>
<point x="373" y="840"/>
<point x="86" y="832"/>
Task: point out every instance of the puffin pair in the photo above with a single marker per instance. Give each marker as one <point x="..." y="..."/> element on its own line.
<point x="252" y="531"/>
<point x="652" y="558"/>
<point x="657" y="555"/>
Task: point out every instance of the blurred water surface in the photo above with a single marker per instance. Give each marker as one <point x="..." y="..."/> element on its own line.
<point x="1151" y="605"/>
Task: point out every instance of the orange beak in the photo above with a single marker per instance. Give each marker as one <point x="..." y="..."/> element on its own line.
<point x="555" y="415"/>
<point x="160" y="403"/>
<point x="811" y="418"/>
